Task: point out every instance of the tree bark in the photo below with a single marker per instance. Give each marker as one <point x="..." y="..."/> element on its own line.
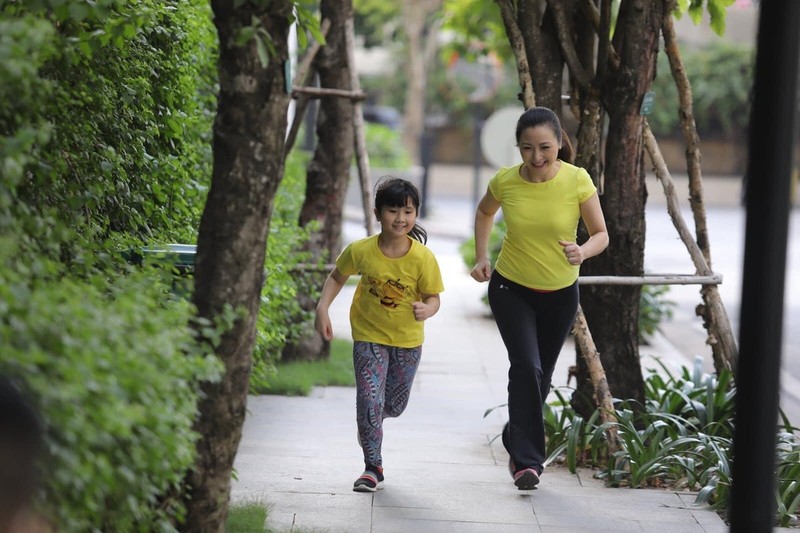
<point x="248" y="145"/>
<point x="612" y="312"/>
<point x="543" y="51"/>
<point x="328" y="173"/>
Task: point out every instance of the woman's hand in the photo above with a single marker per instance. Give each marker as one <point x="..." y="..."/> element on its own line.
<point x="482" y="271"/>
<point x="573" y="252"/>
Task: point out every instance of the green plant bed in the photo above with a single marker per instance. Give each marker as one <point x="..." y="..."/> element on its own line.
<point x="298" y="377"/>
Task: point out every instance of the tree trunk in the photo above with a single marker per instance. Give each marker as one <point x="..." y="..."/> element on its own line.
<point x="415" y="26"/>
<point x="248" y="165"/>
<point x="543" y="51"/>
<point x="328" y="173"/>
<point x="612" y="311"/>
<point x="724" y="349"/>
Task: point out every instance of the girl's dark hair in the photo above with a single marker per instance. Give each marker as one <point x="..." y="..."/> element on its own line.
<point x="395" y="192"/>
<point x="543" y="116"/>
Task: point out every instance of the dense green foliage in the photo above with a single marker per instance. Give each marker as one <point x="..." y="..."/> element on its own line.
<point x="105" y="117"/>
<point x="721" y="77"/>
<point x="682" y="437"/>
<point x="113" y="369"/>
<point x="105" y="125"/>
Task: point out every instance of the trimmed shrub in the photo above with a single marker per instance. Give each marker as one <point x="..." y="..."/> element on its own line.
<point x="115" y="372"/>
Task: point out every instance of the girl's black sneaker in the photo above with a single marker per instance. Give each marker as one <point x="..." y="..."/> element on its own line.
<point x="370" y="481"/>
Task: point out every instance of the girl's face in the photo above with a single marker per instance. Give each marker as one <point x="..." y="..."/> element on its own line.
<point x="397" y="221"/>
<point x="538" y="147"/>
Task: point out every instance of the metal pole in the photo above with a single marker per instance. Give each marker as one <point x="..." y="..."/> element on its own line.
<point x="767" y="187"/>
<point x="425" y="153"/>
<point x="477" y="156"/>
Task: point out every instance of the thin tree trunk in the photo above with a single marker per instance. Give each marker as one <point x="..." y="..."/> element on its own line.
<point x="723" y="344"/>
<point x="720" y="334"/>
<point x="327" y="175"/>
<point x="248" y="145"/>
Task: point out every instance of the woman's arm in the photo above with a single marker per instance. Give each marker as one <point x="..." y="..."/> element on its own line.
<point x="592" y="215"/>
<point x="484" y="220"/>
<point x="332" y="287"/>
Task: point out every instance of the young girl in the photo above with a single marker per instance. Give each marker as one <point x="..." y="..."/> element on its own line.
<point x="399" y="289"/>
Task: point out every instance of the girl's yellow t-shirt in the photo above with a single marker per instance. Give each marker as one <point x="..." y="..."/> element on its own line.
<point x="381" y="311"/>
<point x="537" y="216"/>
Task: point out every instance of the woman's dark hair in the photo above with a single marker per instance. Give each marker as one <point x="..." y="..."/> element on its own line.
<point x="543" y="116"/>
<point x="396" y="192"/>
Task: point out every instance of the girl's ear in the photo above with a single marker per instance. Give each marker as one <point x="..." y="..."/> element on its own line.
<point x="375" y="210"/>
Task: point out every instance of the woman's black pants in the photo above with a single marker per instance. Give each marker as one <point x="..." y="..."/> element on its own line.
<point x="534" y="326"/>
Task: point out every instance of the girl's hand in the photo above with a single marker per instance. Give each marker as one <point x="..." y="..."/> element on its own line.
<point x="482" y="271"/>
<point x="322" y="323"/>
<point x="422" y="311"/>
<point x="573" y="252"/>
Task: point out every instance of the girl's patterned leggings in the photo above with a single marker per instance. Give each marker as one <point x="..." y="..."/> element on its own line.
<point x="384" y="375"/>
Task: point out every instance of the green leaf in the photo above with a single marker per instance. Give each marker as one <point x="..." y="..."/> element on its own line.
<point x="244" y="35"/>
<point x="263" y="52"/>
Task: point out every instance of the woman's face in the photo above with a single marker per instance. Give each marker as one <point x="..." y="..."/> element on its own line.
<point x="538" y="147"/>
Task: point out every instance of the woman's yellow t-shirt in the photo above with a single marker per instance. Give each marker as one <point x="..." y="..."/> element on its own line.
<point x="381" y="311"/>
<point x="537" y="216"/>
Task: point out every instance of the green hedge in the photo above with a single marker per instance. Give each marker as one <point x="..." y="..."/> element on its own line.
<point x="114" y="371"/>
<point x="105" y="122"/>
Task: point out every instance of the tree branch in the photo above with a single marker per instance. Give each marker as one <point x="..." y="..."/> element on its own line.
<point x="580" y="74"/>
<point x="518" y="46"/>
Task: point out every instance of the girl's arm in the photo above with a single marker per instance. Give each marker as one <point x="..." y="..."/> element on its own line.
<point x="332" y="287"/>
<point x="484" y="220"/>
<point x="427" y="307"/>
<point x="592" y="215"/>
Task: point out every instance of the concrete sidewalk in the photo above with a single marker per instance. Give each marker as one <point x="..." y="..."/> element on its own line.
<point x="443" y="470"/>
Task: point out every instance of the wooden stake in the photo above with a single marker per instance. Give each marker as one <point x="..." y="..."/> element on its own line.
<point x="362" y="157"/>
<point x="602" y="394"/>
<point x="720" y="334"/>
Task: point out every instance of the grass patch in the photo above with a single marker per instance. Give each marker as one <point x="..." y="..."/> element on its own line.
<point x="247" y="517"/>
<point x="298" y="377"/>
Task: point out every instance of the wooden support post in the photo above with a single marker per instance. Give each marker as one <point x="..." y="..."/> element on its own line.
<point x="720" y="334"/>
<point x="602" y="394"/>
<point x="362" y="157"/>
<point x="304" y="74"/>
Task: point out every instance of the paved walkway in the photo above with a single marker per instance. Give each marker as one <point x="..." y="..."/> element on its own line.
<point x="443" y="472"/>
